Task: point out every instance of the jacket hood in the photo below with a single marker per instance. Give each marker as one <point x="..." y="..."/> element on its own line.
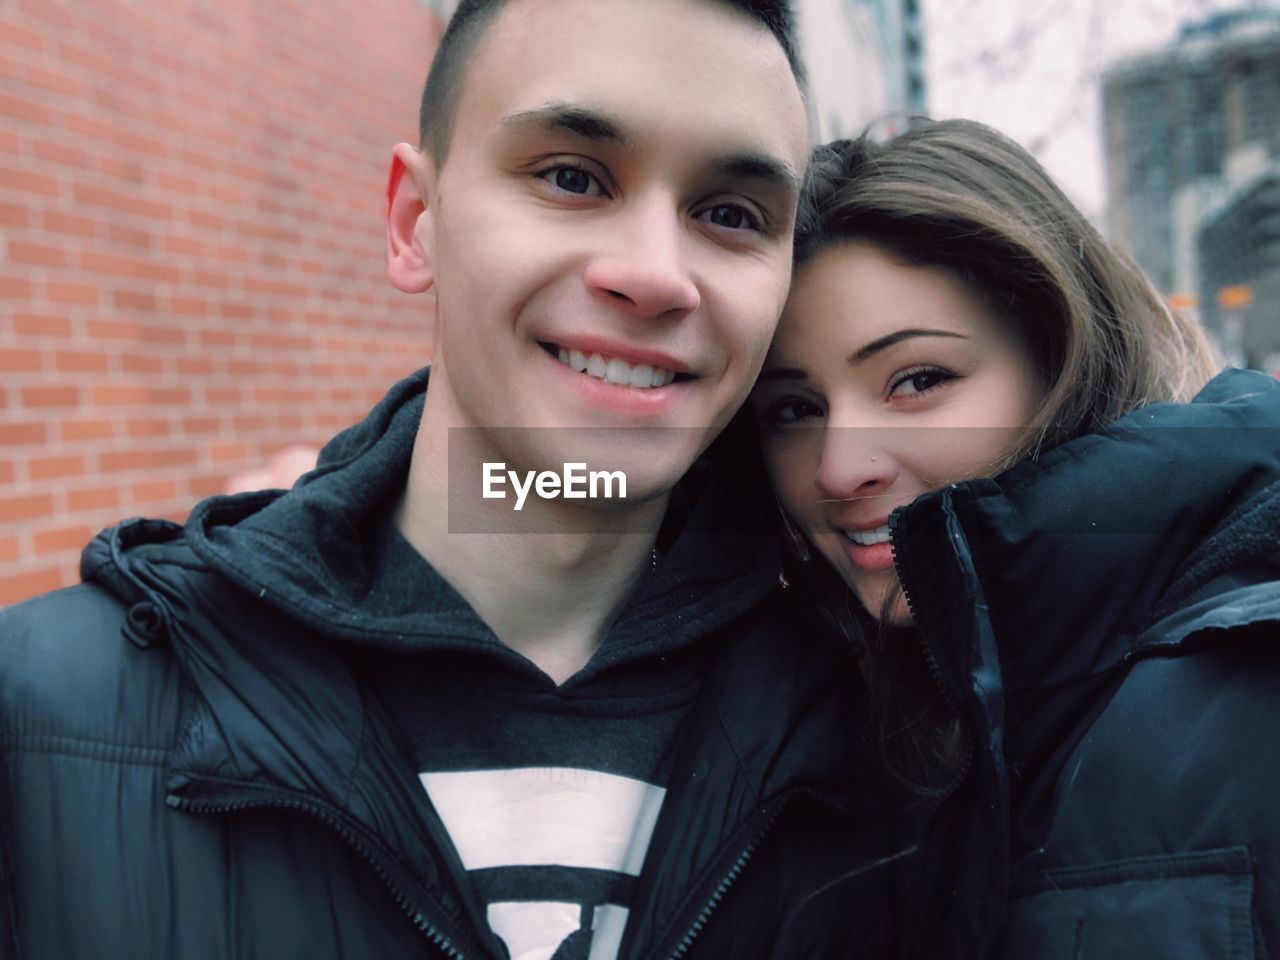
<point x="1073" y="557"/>
<point x="313" y="552"/>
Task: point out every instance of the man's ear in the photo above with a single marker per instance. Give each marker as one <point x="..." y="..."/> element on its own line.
<point x="410" y="261"/>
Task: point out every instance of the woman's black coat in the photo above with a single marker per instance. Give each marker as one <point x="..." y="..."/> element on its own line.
<point x="1106" y="620"/>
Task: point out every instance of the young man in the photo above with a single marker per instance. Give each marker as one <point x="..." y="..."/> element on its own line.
<point x="389" y="710"/>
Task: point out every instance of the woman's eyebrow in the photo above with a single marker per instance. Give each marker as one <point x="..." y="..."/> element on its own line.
<point x="885" y="342"/>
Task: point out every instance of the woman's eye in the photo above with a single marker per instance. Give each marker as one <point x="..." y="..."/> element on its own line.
<point x="915" y="382"/>
<point x="731" y="216"/>
<point x="786" y="412"/>
<point x="571" y="179"/>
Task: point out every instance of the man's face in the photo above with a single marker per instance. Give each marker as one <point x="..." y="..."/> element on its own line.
<point x="618" y="194"/>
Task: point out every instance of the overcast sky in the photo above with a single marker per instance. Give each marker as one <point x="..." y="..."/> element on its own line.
<point x="1031" y="69"/>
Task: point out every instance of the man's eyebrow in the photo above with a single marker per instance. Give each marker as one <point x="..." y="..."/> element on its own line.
<point x="570" y="118"/>
<point x="884" y="343"/>
<point x="759" y="166"/>
<point x="591" y="124"/>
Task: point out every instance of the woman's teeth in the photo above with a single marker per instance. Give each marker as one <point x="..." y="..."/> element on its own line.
<point x="869" y="538"/>
<point x="642" y="376"/>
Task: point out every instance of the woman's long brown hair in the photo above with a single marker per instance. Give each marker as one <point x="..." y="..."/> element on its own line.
<point x="961" y="196"/>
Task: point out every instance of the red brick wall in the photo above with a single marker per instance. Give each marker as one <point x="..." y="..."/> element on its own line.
<point x="192" y="266"/>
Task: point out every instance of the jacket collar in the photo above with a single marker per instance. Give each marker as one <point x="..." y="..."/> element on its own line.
<point x="312" y="552"/>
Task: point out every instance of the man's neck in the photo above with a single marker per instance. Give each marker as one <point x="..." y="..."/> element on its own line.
<point x="548" y="595"/>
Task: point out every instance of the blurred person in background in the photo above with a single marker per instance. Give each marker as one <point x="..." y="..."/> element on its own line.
<point x="380" y="714"/>
<point x="1053" y="537"/>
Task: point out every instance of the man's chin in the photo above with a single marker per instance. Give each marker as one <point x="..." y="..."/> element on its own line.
<point x="563" y="479"/>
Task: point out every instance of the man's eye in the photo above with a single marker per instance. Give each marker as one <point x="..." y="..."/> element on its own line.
<point x="731" y="216"/>
<point x="573" y="180"/>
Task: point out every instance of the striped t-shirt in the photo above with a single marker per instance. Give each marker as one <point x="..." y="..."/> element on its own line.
<point x="550" y="795"/>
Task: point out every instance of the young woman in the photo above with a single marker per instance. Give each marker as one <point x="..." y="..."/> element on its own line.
<point x="1013" y="482"/>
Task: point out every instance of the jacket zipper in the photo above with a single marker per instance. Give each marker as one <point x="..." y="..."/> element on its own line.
<point x="686" y="942"/>
<point x="935" y="671"/>
<point x="371" y="856"/>
<point x="732" y="874"/>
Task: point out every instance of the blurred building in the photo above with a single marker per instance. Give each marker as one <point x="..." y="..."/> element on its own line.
<point x="1192" y="138"/>
<point x="1238" y="243"/>
<point x="865" y="60"/>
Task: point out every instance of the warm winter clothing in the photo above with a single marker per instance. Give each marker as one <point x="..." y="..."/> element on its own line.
<point x="550" y="801"/>
<point x="1105" y="619"/>
<point x="199" y="758"/>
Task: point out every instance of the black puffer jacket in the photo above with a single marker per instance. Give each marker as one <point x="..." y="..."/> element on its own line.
<point x="1107" y="622"/>
<point x="192" y="767"/>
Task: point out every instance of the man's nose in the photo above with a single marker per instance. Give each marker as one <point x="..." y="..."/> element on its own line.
<point x="857" y="463"/>
<point x="644" y="271"/>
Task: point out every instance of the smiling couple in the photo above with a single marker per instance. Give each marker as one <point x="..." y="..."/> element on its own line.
<point x="384" y="715"/>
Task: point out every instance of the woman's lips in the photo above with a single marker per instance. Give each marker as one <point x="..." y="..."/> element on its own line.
<point x="873" y="558"/>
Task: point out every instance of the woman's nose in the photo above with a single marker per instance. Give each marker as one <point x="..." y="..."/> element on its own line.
<point x="856" y="462"/>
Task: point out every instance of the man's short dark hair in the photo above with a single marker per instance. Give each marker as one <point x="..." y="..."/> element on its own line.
<point x="467" y="25"/>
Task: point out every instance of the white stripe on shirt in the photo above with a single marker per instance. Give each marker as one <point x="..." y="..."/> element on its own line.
<point x="531" y="816"/>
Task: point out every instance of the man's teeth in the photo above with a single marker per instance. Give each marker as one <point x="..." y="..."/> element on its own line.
<point x="611" y="370"/>
<point x="869" y="538"/>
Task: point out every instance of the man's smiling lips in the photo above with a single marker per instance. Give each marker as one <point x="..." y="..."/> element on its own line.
<point x="618" y="365"/>
<point x="611" y="392"/>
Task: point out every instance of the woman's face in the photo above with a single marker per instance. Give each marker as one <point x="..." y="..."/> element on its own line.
<point x="885" y="381"/>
